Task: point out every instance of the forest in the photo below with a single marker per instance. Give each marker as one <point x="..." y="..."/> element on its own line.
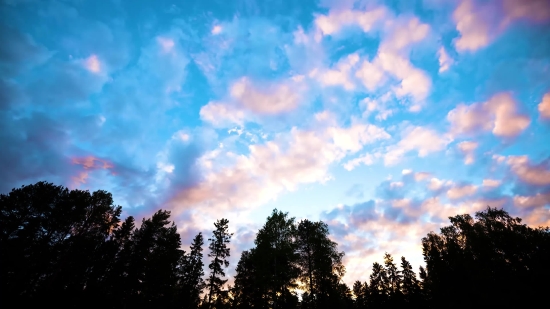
<point x="71" y="248"/>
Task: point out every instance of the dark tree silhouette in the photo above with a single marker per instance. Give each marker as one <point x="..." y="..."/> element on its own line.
<point x="219" y="252"/>
<point x="191" y="281"/>
<point x="61" y="247"/>
<point x="492" y="261"/>
<point x="321" y="265"/>
<point x="51" y="241"/>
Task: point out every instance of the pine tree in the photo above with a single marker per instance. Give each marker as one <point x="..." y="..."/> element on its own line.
<point x="192" y="267"/>
<point x="410" y="287"/>
<point x="219" y="252"/>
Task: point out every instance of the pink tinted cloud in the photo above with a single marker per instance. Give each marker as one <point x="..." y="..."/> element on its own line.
<point x="544" y="106"/>
<point x="499" y="114"/>
<point x="534" y="201"/>
<point x="467" y="148"/>
<point x="420" y="139"/>
<point x="92" y="64"/>
<point x="266" y="99"/>
<point x="535" y="174"/>
<point x="480" y="22"/>
<point x="461" y="191"/>
<point x="336" y="20"/>
<point x="89" y="164"/>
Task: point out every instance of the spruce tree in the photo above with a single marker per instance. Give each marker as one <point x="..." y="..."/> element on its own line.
<point x="219" y="252"/>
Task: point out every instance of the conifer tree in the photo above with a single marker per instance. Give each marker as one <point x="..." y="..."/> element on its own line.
<point x="219" y="252"/>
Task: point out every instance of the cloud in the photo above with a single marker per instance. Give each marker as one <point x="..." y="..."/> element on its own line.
<point x="460" y="191"/>
<point x="544" y="106"/>
<point x="534" y="174"/>
<point x="273" y="167"/>
<point x="270" y="99"/>
<point x="371" y="75"/>
<point x="480" y="22"/>
<point x="366" y="159"/>
<point x="445" y="61"/>
<point x="340" y="75"/>
<point x="336" y="20"/>
<point x="499" y="114"/>
<point x="491" y="183"/>
<point x="539" y="200"/>
<point x="222" y="114"/>
<point x="467" y="148"/>
<point x="420" y="139"/>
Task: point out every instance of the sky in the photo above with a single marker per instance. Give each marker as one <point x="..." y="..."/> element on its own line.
<point x="381" y="118"/>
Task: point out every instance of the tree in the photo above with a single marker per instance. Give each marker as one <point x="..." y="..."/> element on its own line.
<point x="275" y="261"/>
<point x="394" y="282"/>
<point x="219" y="252"/>
<point x="493" y="260"/>
<point x="53" y="242"/>
<point x="192" y="283"/>
<point x="246" y="292"/>
<point x="320" y="263"/>
<point x="155" y="258"/>
<point x="378" y="289"/>
<point x="360" y="291"/>
<point x="410" y="287"/>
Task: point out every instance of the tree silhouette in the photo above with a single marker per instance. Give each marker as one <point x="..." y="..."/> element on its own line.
<point x="219" y="252"/>
<point x="320" y="263"/>
<point x="492" y="260"/>
<point x="191" y="280"/>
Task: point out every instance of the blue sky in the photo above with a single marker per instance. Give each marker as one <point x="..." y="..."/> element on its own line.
<point x="381" y="118"/>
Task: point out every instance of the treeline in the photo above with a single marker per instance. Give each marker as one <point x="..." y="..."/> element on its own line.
<point x="69" y="248"/>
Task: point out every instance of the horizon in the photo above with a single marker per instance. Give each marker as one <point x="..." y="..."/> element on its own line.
<point x="380" y="118"/>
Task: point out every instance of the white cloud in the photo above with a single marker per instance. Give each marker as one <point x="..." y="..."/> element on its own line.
<point x="366" y="159"/>
<point x="336" y="20"/>
<point x="222" y="114"/>
<point x="445" y="61"/>
<point x="498" y="114"/>
<point x="467" y="148"/>
<point x="420" y="139"/>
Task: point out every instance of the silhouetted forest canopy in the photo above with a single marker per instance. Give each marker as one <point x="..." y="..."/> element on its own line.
<point x="70" y="248"/>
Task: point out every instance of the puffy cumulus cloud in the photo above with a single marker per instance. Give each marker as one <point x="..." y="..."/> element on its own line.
<point x="371" y="75"/>
<point x="366" y="159"/>
<point x="278" y="165"/>
<point x="480" y="22"/>
<point x="356" y="136"/>
<point x="247" y="101"/>
<point x="468" y="148"/>
<point x="269" y="99"/>
<point x="473" y="26"/>
<point x="403" y="33"/>
<point x="491" y="183"/>
<point x="391" y="57"/>
<point x="538" y="200"/>
<point x="437" y="185"/>
<point x="379" y="105"/>
<point x="544" y="106"/>
<point x="460" y="191"/>
<point x="534" y="174"/>
<point x="445" y="61"/>
<point x="336" y="20"/>
<point x="222" y="114"/>
<point x="499" y="114"/>
<point x="339" y="75"/>
<point x="420" y="139"/>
